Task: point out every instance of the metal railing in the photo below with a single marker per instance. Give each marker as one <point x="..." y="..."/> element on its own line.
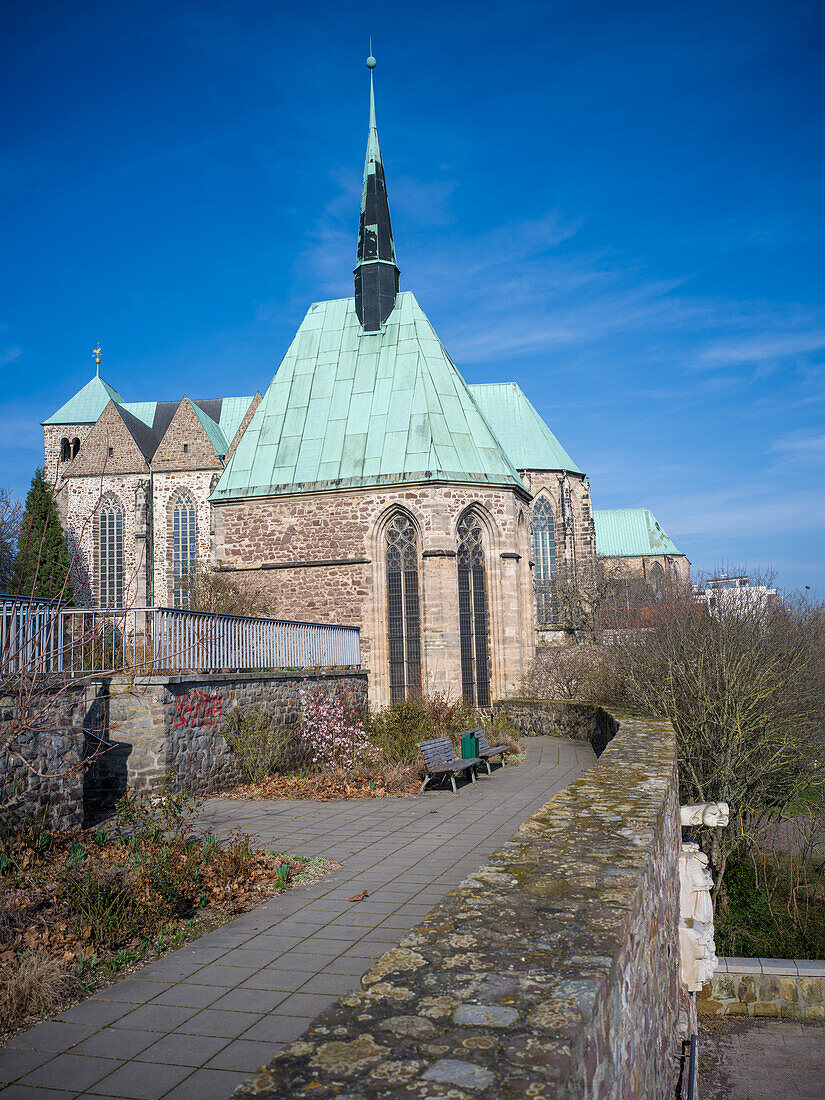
<point x="37" y="636"/>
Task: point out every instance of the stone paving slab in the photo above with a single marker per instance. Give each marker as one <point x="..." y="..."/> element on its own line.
<point x="197" y="1022"/>
<point x="747" y="1059"/>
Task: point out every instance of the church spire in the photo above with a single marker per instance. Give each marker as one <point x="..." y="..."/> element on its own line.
<point x="376" y="272"/>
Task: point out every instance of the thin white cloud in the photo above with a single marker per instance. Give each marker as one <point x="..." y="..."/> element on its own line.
<point x="10" y="355"/>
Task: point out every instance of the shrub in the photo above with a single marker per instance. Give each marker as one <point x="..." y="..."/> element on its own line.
<point x="333" y="726"/>
<point x="745" y="690"/>
<point x="35" y="985"/>
<point x="261" y="748"/>
<point x="100" y="898"/>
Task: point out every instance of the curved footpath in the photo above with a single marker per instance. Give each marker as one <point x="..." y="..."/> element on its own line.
<point x="193" y="1025"/>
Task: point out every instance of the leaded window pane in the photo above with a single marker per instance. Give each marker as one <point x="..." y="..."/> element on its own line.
<point x="184" y="549"/>
<point x="110" y="554"/>
<point x="403" y="609"/>
<point x="472" y="613"/>
<point x="544" y="557"/>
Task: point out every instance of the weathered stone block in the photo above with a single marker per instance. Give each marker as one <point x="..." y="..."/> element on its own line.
<point x="762" y="1008"/>
<point x="811" y="990"/>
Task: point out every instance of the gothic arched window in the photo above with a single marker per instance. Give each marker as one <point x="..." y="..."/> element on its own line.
<point x="110" y="554"/>
<point x="65" y="450"/>
<point x="403" y="609"/>
<point x="657" y="579"/>
<point x="184" y="549"/>
<point x="75" y="446"/>
<point x="544" y="556"/>
<point x="472" y="613"/>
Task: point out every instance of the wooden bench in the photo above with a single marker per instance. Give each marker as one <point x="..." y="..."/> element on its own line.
<point x="440" y="760"/>
<point x="486" y="750"/>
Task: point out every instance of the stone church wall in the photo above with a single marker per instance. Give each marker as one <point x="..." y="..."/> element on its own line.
<point x="321" y="557"/>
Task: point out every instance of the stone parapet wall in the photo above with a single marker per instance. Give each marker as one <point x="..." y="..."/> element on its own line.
<point x="173" y="723"/>
<point x="552" y="972"/>
<point x="41" y="772"/>
<point x="551" y="718"/>
<point x="791" y="989"/>
<point x="99" y="738"/>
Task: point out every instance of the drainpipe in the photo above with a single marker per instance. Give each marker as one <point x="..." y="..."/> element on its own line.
<point x="150" y="540"/>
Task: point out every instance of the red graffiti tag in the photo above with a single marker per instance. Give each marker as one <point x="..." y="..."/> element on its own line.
<point x="196" y="708"/>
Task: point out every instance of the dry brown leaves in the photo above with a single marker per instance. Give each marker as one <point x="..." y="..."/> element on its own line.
<point x="322" y="788"/>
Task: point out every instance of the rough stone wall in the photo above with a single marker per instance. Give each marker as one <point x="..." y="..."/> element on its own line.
<point x="109" y="433"/>
<point x="550" y="973"/>
<point x="166" y="489"/>
<point x="791" y="989"/>
<point x="47" y="786"/>
<point x="186" y="430"/>
<point x="130" y="735"/>
<point x="675" y="566"/>
<point x="174" y="723"/>
<point x="321" y="556"/>
<point x="53" y="435"/>
<point x="569" y="497"/>
<point x="545" y="718"/>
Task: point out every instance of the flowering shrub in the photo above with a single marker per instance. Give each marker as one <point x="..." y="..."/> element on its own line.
<point x="333" y="728"/>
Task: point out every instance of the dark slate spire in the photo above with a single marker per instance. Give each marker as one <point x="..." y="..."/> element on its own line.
<point x="376" y="272"/>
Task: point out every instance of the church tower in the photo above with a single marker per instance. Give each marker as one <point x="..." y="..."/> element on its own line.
<point x="376" y="272"/>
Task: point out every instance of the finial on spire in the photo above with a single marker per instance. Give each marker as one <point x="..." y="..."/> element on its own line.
<point x="376" y="272"/>
<point x="96" y="354"/>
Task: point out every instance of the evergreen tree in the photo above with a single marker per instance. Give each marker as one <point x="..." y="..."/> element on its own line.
<point x="42" y="567"/>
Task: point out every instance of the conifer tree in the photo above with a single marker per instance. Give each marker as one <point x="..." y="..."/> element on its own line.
<point x="42" y="567"/>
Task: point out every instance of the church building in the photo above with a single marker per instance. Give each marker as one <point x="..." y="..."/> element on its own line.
<point x="370" y="485"/>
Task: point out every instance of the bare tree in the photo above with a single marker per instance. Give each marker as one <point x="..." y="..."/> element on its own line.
<point x="11" y="511"/>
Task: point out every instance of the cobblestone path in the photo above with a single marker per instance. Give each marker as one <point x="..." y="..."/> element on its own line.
<point x="193" y="1025"/>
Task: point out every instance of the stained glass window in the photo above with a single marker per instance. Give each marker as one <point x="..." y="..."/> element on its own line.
<point x="184" y="549"/>
<point x="544" y="557"/>
<point x="403" y="609"/>
<point x="472" y="613"/>
<point x="110" y="554"/>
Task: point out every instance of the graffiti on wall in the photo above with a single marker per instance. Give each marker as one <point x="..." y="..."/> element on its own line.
<point x="197" y="708"/>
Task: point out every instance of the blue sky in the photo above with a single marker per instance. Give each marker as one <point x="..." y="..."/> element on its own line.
<point x="617" y="205"/>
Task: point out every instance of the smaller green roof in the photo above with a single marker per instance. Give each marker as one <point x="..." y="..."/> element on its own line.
<point x="87" y="404"/>
<point x="630" y="533"/>
<point x="526" y="439"/>
<point x="216" y="436"/>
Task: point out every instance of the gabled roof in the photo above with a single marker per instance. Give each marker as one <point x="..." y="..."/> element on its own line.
<point x="143" y="435"/>
<point x="630" y="533"/>
<point x="216" y="436"/>
<point x="529" y="443"/>
<point x="87" y="404"/>
<point x="350" y="408"/>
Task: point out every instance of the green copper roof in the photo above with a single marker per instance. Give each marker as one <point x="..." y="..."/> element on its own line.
<point x="87" y="404"/>
<point x="629" y="532"/>
<point x="216" y="436"/>
<point x="350" y="408"/>
<point x="529" y="443"/>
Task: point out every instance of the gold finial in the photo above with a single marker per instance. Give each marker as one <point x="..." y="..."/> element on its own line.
<point x="96" y="354"/>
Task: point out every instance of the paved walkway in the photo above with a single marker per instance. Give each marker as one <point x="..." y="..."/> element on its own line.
<point x="749" y="1059"/>
<point x="195" y="1024"/>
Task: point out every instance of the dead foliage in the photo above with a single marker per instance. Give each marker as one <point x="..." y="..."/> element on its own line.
<point x="327" y="788"/>
<point x="78" y="907"/>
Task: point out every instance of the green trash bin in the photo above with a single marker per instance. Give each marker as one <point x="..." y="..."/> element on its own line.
<point x="469" y="746"/>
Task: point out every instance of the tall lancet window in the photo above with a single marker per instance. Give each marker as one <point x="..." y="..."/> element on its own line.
<point x="110" y="553"/>
<point x="472" y="613"/>
<point x="184" y="549"/>
<point x="656" y="576"/>
<point x="544" y="557"/>
<point x="403" y="611"/>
